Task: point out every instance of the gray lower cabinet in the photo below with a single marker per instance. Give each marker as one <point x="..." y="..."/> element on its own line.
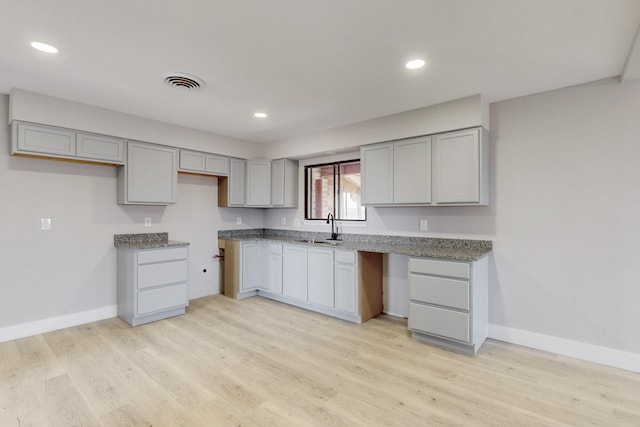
<point x="152" y="283"/>
<point x="320" y="283"/>
<point x="49" y="141"/>
<point x="345" y="281"/>
<point x="448" y="303"/>
<point x="150" y="175"/>
<point x="294" y="272"/>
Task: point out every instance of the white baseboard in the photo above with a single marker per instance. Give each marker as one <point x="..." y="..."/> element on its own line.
<point x="579" y="350"/>
<point x="23" y="330"/>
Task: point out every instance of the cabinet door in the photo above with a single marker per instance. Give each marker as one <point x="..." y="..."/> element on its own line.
<point x="377" y="174"/>
<point x="45" y="140"/>
<point x="345" y="284"/>
<point x="236" y="182"/>
<point x="151" y="174"/>
<point x="217" y="165"/>
<point x="258" y="183"/>
<point x="277" y="182"/>
<point x="294" y="272"/>
<point x="191" y="161"/>
<point x="249" y="260"/>
<point x="100" y="147"/>
<point x="412" y="171"/>
<point x="275" y="268"/>
<point x="263" y="266"/>
<point x="320" y="276"/>
<point x="457" y="167"/>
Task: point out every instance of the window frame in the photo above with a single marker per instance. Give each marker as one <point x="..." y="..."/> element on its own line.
<point x="336" y="190"/>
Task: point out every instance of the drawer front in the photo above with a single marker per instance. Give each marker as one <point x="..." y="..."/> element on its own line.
<point x="438" y="290"/>
<point x="162" y="298"/>
<point x="439" y="268"/>
<point x="150" y="275"/>
<point x="439" y="321"/>
<point x="161" y="255"/>
<point x="345" y="257"/>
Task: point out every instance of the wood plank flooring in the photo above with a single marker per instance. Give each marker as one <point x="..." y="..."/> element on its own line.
<point x="261" y="363"/>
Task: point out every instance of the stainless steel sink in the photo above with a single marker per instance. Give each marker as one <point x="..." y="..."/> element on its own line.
<point x="320" y="242"/>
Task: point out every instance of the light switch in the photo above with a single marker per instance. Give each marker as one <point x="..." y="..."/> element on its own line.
<point x="45" y="223"/>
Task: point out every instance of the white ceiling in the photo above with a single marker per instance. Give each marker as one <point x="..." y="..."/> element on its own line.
<point x="310" y="64"/>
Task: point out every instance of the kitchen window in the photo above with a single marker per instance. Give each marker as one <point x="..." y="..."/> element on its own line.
<point x="334" y="188"/>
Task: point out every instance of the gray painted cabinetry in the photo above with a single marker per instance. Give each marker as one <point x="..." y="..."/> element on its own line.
<point x="203" y="163"/>
<point x="150" y="175"/>
<point x="152" y="283"/>
<point x="49" y="141"/>
<point x="449" y="303"/>
<point x="444" y="169"/>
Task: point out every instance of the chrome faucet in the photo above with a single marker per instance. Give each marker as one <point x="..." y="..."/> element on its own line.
<point x="334" y="234"/>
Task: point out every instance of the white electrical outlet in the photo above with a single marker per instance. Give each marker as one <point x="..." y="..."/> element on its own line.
<point x="147" y="222"/>
<point x="296" y="222"/>
<point x="45" y="223"/>
<point x="284" y="220"/>
<point x="239" y="220"/>
<point x="423" y="225"/>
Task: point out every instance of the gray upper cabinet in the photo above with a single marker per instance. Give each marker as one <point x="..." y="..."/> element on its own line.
<point x="150" y="175"/>
<point x="284" y="183"/>
<point x="99" y="147"/>
<point x="397" y="173"/>
<point x="412" y="171"/>
<point x="231" y="189"/>
<point x="259" y="183"/>
<point x="461" y="168"/>
<point x="49" y="141"/>
<point x="203" y="163"/>
<point x="36" y="139"/>
<point x="376" y="162"/>
<point x="446" y="169"/>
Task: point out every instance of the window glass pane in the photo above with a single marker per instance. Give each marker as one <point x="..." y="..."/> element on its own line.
<point x="321" y="190"/>
<point x="349" y="192"/>
<point x="334" y="188"/>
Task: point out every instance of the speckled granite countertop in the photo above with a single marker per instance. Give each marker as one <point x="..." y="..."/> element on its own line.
<point x="452" y="249"/>
<point x="145" y="241"/>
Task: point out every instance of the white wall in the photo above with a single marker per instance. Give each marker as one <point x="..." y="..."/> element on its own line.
<point x="72" y="268"/>
<point x="565" y="188"/>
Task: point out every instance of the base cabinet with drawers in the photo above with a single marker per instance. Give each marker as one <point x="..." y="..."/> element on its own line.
<point x="152" y="283"/>
<point x="448" y="302"/>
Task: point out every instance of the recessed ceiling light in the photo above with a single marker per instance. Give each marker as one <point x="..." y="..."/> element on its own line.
<point x="43" y="47"/>
<point x="260" y="115"/>
<point x="414" y="64"/>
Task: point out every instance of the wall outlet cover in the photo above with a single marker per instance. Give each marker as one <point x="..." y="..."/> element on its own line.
<point x="147" y="222"/>
<point x="239" y="220"/>
<point x="296" y="222"/>
<point x="284" y="220"/>
<point x="45" y="223"/>
<point x="423" y="225"/>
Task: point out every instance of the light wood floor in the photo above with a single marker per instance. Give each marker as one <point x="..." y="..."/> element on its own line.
<point x="261" y="363"/>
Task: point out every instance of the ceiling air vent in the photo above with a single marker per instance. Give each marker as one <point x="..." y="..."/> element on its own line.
<point x="183" y="81"/>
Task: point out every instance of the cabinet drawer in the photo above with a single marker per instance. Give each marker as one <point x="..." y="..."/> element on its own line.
<point x="439" y="268"/>
<point x="161" y="255"/>
<point x="150" y="275"/>
<point x="439" y="321"/>
<point x="438" y="290"/>
<point x="162" y="298"/>
<point x="345" y="257"/>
